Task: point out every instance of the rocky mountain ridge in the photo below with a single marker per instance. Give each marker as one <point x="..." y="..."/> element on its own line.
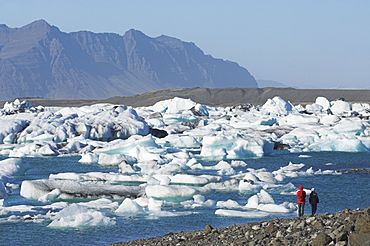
<point x="38" y="60"/>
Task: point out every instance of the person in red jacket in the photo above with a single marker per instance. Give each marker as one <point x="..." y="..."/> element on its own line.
<point x="301" y="200"/>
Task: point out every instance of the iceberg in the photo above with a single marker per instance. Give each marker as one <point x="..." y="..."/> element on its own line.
<point x="129" y="207"/>
<point x="191" y="179"/>
<point x="9" y="129"/>
<point x="198" y="201"/>
<point x="236" y="213"/>
<point x="340" y="107"/>
<point x="273" y="208"/>
<point x="99" y="204"/>
<point x="89" y="158"/>
<point x="339" y="144"/>
<point x="277" y="106"/>
<point x="230" y="204"/>
<point x="175" y="193"/>
<point x="115" y="159"/>
<point x="248" y="187"/>
<point x="34" y="189"/>
<point x="263" y="201"/>
<point x="51" y="196"/>
<point x="178" y="141"/>
<point x="175" y="105"/>
<point x="3" y="193"/>
<point x="350" y="126"/>
<point x="140" y="148"/>
<point x="234" y="147"/>
<point x="298" y="120"/>
<point x="80" y="216"/>
<point x="323" y="102"/>
<point x="16" y="106"/>
<point x="12" y="167"/>
<point x="104" y="123"/>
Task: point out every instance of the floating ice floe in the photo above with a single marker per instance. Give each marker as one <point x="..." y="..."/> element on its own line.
<point x="237" y="213"/>
<point x="129" y="207"/>
<point x="50" y="197"/>
<point x="198" y="201"/>
<point x="175" y="193"/>
<point x="12" y="167"/>
<point x="199" y="180"/>
<point x="230" y="204"/>
<point x="248" y="186"/>
<point x="115" y="159"/>
<point x="34" y="189"/>
<point x="80" y="216"/>
<point x="151" y="209"/>
<point x="263" y="201"/>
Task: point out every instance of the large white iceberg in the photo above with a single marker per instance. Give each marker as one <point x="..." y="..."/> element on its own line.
<point x="34" y="189"/>
<point x="96" y="122"/>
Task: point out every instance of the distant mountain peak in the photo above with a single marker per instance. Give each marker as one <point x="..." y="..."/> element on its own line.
<point x="38" y="29"/>
<point x="38" y="24"/>
<point x="173" y="42"/>
<point x="3" y="26"/>
<point x="135" y="33"/>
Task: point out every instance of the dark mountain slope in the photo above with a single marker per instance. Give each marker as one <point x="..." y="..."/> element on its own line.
<point x="38" y="60"/>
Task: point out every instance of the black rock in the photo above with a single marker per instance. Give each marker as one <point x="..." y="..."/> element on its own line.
<point x="158" y="133"/>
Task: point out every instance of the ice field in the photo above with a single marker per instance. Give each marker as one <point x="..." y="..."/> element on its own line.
<point x="104" y="168"/>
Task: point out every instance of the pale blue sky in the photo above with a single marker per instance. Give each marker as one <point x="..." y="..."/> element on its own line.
<point x="315" y="43"/>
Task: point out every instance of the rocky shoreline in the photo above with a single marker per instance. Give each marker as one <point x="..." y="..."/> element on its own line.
<point x="345" y="228"/>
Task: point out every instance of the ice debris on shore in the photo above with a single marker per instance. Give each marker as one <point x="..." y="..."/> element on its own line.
<point x="156" y="146"/>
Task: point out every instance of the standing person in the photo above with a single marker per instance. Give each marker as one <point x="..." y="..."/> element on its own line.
<point x="314" y="200"/>
<point x="301" y="200"/>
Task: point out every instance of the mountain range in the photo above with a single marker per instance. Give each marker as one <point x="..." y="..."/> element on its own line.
<point x="39" y="60"/>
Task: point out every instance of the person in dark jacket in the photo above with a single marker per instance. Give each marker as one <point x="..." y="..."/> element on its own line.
<point x="301" y="200"/>
<point x="314" y="200"/>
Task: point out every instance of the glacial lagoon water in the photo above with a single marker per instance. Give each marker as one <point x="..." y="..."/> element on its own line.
<point x="336" y="192"/>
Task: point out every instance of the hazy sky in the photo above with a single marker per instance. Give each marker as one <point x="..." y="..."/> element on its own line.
<point x="304" y="43"/>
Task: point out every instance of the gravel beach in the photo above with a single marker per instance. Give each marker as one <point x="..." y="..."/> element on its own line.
<point x="348" y="227"/>
<point x="214" y="97"/>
